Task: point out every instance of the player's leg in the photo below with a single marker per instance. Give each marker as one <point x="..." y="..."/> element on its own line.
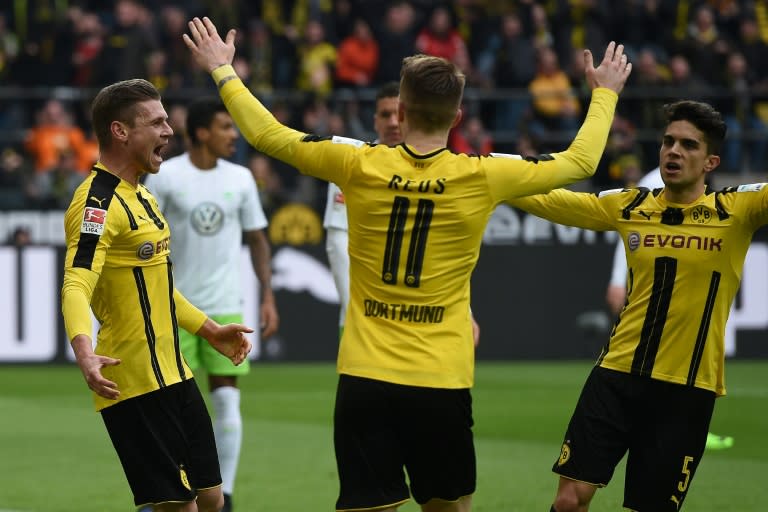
<point x="667" y="446"/>
<point x="225" y="402"/>
<point x="369" y="454"/>
<point x="573" y="496"/>
<point x="463" y="504"/>
<point x="436" y="428"/>
<point x="595" y="441"/>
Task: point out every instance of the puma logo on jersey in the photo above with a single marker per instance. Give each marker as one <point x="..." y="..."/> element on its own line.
<point x="97" y="200"/>
<point x="646" y="215"/>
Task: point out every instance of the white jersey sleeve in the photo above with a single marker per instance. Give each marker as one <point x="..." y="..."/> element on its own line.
<point x="335" y="209"/>
<point x="336" y="247"/>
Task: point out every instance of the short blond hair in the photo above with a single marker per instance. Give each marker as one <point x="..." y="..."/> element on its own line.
<point x="431" y="89"/>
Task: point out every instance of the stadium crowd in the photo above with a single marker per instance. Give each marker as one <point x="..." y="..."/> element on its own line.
<point x="317" y="64"/>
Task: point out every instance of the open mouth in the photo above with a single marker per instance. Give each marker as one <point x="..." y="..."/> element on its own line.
<point x="672" y="167"/>
<point x="158" y="151"/>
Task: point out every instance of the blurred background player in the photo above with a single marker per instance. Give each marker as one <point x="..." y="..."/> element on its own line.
<point x="212" y="205"/>
<point x="616" y="293"/>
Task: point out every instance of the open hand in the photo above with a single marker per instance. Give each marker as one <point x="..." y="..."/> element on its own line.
<point x="613" y="71"/>
<point x="91" y="366"/>
<point x="207" y="48"/>
<point x="230" y="340"/>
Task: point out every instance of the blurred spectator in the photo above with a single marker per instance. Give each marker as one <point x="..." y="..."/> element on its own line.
<point x="317" y="58"/>
<point x="156" y="69"/>
<point x="172" y="24"/>
<point x="270" y="186"/>
<point x="89" y="41"/>
<point x="258" y="49"/>
<point x="745" y="145"/>
<point x="15" y="179"/>
<point x="58" y="185"/>
<point x="622" y="162"/>
<point x="580" y="24"/>
<point x="177" y="118"/>
<point x="645" y="111"/>
<point x="358" y="58"/>
<point x="541" y="33"/>
<point x="441" y="39"/>
<point x="637" y="22"/>
<point x="397" y="39"/>
<point x="19" y="237"/>
<point x="555" y="113"/>
<point x="55" y="133"/>
<point x="684" y="83"/>
<point x="130" y="39"/>
<point x="704" y="48"/>
<point x="9" y="47"/>
<point x="471" y="138"/>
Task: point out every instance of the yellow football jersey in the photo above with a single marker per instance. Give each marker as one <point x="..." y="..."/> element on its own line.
<point x="415" y="227"/>
<point x="684" y="267"/>
<point x="118" y="261"/>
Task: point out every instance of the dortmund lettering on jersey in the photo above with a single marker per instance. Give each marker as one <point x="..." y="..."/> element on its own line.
<point x="118" y="240"/>
<point x="684" y="267"/>
<point x="415" y="227"/>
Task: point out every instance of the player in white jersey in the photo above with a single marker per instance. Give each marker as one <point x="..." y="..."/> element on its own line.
<point x="212" y="205"/>
<point x="387" y="128"/>
<point x="616" y="293"/>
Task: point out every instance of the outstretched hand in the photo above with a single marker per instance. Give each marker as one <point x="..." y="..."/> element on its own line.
<point x="91" y="366"/>
<point x="207" y="48"/>
<point x="613" y="71"/>
<point x="230" y="340"/>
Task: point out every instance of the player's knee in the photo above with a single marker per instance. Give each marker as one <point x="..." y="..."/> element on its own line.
<point x="568" y="502"/>
<point x="210" y="502"/>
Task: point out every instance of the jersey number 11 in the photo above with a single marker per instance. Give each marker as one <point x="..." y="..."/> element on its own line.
<point x="417" y="246"/>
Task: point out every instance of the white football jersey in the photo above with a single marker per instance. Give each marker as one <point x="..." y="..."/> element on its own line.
<point x="335" y="209"/>
<point x="208" y="210"/>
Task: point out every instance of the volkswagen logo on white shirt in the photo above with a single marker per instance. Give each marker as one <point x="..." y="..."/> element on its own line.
<point x="207" y="218"/>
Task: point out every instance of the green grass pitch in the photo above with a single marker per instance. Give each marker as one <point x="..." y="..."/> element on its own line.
<point x="55" y="455"/>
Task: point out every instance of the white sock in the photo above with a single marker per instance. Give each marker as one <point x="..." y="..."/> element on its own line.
<point x="228" y="429"/>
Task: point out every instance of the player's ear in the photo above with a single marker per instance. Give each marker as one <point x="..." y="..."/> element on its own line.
<point x="400" y="111"/>
<point x="457" y="118"/>
<point x="119" y="131"/>
<point x="711" y="163"/>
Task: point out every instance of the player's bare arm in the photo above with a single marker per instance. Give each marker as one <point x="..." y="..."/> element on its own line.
<point x="613" y="71"/>
<point x="261" y="259"/>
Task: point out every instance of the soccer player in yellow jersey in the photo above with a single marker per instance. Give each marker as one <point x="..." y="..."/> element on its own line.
<point x="118" y="264"/>
<point x="653" y="389"/>
<point x="416" y="218"/>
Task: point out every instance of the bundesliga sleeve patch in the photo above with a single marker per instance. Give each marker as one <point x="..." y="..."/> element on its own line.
<point x="506" y="155"/>
<point x="751" y="187"/>
<point x="612" y="191"/>
<point x="346" y="140"/>
<point x="93" y="220"/>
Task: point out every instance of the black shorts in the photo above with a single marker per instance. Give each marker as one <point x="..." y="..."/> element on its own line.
<point x="661" y="426"/>
<point x="165" y="443"/>
<point x="381" y="428"/>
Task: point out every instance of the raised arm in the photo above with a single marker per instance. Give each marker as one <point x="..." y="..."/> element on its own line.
<point x="256" y="123"/>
